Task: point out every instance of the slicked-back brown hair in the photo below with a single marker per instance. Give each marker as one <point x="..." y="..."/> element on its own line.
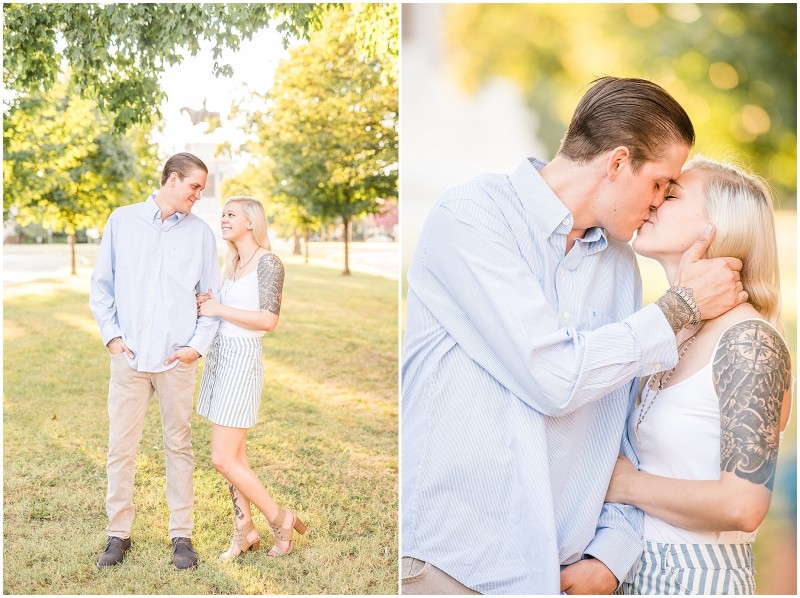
<point x="634" y="113"/>
<point x="182" y="164"/>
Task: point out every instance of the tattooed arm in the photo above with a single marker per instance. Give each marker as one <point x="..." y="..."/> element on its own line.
<point x="270" y="284"/>
<point x="270" y="274"/>
<point x="676" y="310"/>
<point x="751" y="373"/>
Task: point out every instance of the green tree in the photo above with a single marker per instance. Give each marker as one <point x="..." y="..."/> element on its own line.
<point x="732" y="66"/>
<point x="330" y="123"/>
<point x="116" y="52"/>
<point x="374" y="28"/>
<point x="63" y="167"/>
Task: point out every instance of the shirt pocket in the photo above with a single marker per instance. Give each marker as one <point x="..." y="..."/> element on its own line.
<point x="598" y="318"/>
<point x="184" y="267"/>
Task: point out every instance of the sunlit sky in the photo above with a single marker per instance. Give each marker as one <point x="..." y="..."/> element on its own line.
<point x="187" y="83"/>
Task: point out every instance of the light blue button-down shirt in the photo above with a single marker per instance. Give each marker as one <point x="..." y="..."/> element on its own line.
<point x="144" y="283"/>
<point x="516" y="382"/>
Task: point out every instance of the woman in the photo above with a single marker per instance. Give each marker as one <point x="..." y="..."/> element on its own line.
<point x="706" y="433"/>
<point x="230" y="391"/>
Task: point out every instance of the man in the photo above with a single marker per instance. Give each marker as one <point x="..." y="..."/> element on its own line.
<point x="516" y="381"/>
<point x="153" y="258"/>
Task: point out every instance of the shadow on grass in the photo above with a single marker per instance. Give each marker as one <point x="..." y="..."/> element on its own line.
<point x="346" y="336"/>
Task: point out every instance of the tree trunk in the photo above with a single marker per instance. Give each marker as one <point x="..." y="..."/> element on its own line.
<point x="72" y="247"/>
<point x="296" y="250"/>
<point x="308" y="234"/>
<point x="346" y="247"/>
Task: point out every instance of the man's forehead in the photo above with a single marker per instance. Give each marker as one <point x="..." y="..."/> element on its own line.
<point x="667" y="173"/>
<point x="197" y="176"/>
<point x="668" y="167"/>
<point x="666" y="176"/>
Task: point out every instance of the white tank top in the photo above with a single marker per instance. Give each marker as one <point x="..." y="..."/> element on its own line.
<point x="241" y="294"/>
<point x="679" y="438"/>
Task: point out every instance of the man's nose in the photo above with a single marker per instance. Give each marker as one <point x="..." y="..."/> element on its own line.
<point x="657" y="201"/>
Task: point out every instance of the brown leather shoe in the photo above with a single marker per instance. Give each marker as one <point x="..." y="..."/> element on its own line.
<point x="114" y="552"/>
<point x="183" y="554"/>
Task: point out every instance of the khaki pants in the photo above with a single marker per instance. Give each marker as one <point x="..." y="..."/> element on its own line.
<point x="419" y="577"/>
<point x="129" y="394"/>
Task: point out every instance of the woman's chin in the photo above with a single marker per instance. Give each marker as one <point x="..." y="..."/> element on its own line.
<point x="640" y="246"/>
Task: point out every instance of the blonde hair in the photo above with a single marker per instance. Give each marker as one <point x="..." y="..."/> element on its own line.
<point x="740" y="206"/>
<point x="254" y="213"/>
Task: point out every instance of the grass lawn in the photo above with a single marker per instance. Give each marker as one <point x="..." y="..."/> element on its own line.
<point x="325" y="446"/>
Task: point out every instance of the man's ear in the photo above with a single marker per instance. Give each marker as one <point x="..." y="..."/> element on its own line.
<point x="618" y="158"/>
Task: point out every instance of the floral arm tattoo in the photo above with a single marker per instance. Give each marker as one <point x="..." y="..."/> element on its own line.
<point x="270" y="283"/>
<point x="751" y="372"/>
<point x="678" y="314"/>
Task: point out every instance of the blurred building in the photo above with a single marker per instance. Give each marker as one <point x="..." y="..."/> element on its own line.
<point x="220" y="168"/>
<point x="383" y="226"/>
<point x="448" y="137"/>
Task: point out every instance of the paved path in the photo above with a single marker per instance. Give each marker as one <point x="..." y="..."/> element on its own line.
<point x="25" y="263"/>
<point x="379" y="259"/>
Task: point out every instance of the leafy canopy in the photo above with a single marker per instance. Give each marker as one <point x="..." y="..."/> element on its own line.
<point x="732" y="66"/>
<point x="116" y="52"/>
<point x="326" y="136"/>
<point x="63" y="166"/>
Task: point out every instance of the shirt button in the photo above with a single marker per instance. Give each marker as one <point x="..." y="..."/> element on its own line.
<point x="566" y="222"/>
<point x="563" y="272"/>
<point x="658" y="366"/>
<point x="566" y="315"/>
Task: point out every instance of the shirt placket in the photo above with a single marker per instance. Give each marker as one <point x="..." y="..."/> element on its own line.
<point x="151" y="294"/>
<point x="565" y="281"/>
<point x="564" y="294"/>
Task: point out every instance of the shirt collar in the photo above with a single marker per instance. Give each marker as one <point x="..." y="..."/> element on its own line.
<point x="155" y="212"/>
<point x="595" y="240"/>
<point x="545" y="209"/>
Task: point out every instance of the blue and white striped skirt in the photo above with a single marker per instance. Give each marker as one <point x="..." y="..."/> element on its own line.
<point x="230" y="391"/>
<point x="693" y="569"/>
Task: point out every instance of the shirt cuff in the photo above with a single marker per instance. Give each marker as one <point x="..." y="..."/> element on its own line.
<point x="199" y="344"/>
<point x="656" y="339"/>
<point x="616" y="551"/>
<point x="110" y="332"/>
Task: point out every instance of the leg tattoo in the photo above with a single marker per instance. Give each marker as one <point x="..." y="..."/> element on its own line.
<point x="235" y="496"/>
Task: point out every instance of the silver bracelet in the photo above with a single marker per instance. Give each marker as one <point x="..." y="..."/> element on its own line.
<point x="686" y="296"/>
